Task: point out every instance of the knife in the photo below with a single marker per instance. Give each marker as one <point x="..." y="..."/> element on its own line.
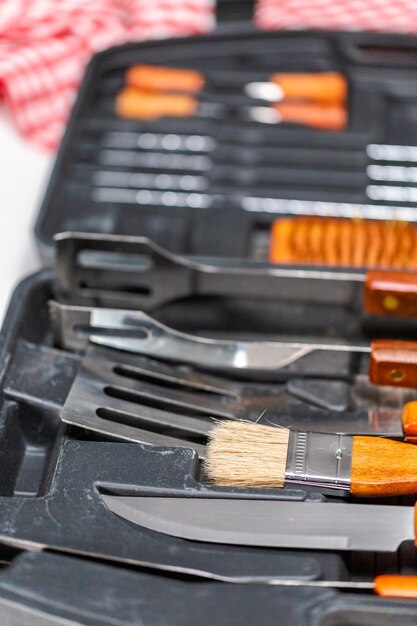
<point x="273" y="524"/>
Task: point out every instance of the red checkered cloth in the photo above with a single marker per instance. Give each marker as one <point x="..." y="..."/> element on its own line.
<point x="46" y="44"/>
<point x="395" y="16"/>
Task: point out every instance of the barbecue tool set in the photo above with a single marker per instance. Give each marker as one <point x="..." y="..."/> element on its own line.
<point x="210" y="398"/>
<point x="142" y="381"/>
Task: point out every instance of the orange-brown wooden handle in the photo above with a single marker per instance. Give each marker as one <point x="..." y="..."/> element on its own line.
<point x="409" y="422"/>
<point x="393" y="363"/>
<point x="164" y="78"/>
<point x="313" y="115"/>
<point x="137" y="104"/>
<point x="327" y="87"/>
<point x="383" y="467"/>
<point x="391" y="293"/>
<point x="281" y="246"/>
<point x="399" y="586"/>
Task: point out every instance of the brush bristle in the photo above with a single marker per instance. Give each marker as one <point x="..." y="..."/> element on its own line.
<point x="244" y="454"/>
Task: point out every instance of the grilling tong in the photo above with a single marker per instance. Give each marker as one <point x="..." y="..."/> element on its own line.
<point x="134" y="273"/>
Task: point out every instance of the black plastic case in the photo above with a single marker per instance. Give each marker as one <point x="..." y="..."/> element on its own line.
<point x="50" y="490"/>
<point x="280" y="169"/>
<point x="91" y="568"/>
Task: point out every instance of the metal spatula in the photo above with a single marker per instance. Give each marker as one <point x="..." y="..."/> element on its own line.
<point x="138" y="399"/>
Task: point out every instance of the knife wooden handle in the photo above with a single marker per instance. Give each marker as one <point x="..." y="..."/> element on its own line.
<point x="164" y="78"/>
<point x="383" y="467"/>
<point x="393" y="363"/>
<point x="327" y="87"/>
<point x="391" y="293"/>
<point x="391" y="586"/>
<point x="409" y="422"/>
<point x="313" y="115"/>
<point x="138" y="104"/>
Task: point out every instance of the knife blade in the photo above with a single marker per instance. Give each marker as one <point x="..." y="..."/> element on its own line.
<point x="275" y="524"/>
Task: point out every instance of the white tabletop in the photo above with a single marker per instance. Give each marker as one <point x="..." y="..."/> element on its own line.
<point x="24" y="173"/>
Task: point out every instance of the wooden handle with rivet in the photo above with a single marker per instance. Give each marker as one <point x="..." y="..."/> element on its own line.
<point x="391" y="293"/>
<point x="396" y="586"/>
<point x="157" y="78"/>
<point x="393" y="363"/>
<point x="325" y="87"/>
<point x="313" y="115"/>
<point x="138" y="104"/>
<point x="383" y="467"/>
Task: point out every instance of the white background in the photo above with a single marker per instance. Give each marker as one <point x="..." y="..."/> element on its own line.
<point x="24" y="173"/>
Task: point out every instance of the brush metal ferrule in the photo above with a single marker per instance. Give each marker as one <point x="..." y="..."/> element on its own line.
<point x="320" y="460"/>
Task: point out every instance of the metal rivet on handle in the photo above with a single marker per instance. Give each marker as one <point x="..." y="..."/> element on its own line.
<point x="391" y="303"/>
<point x="396" y="375"/>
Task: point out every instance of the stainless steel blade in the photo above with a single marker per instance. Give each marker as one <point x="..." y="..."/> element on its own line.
<point x="274" y="524"/>
<point x="158" y="568"/>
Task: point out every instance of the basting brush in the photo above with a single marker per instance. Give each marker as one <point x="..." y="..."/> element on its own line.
<point x="244" y="454"/>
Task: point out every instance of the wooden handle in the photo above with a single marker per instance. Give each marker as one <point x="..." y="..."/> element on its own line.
<point x="325" y="87"/>
<point x="409" y="422"/>
<point x="164" y="79"/>
<point x="382" y="467"/>
<point x="281" y="245"/>
<point x="393" y="363"/>
<point x="136" y="104"/>
<point x="391" y="293"/>
<point x="314" y="115"/>
<point x="391" y="586"/>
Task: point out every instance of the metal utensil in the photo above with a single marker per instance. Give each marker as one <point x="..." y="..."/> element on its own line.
<point x="134" y="272"/>
<point x="316" y="526"/>
<point x="137" y="332"/>
<point x="290" y="206"/>
<point x="134" y="398"/>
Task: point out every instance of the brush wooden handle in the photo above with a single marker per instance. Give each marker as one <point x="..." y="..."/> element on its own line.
<point x="391" y="293"/>
<point x="382" y="467"/>
<point x="138" y="104"/>
<point x="325" y="87"/>
<point x="393" y="363"/>
<point x="313" y="115"/>
<point x="157" y="78"/>
<point x="391" y="586"/>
